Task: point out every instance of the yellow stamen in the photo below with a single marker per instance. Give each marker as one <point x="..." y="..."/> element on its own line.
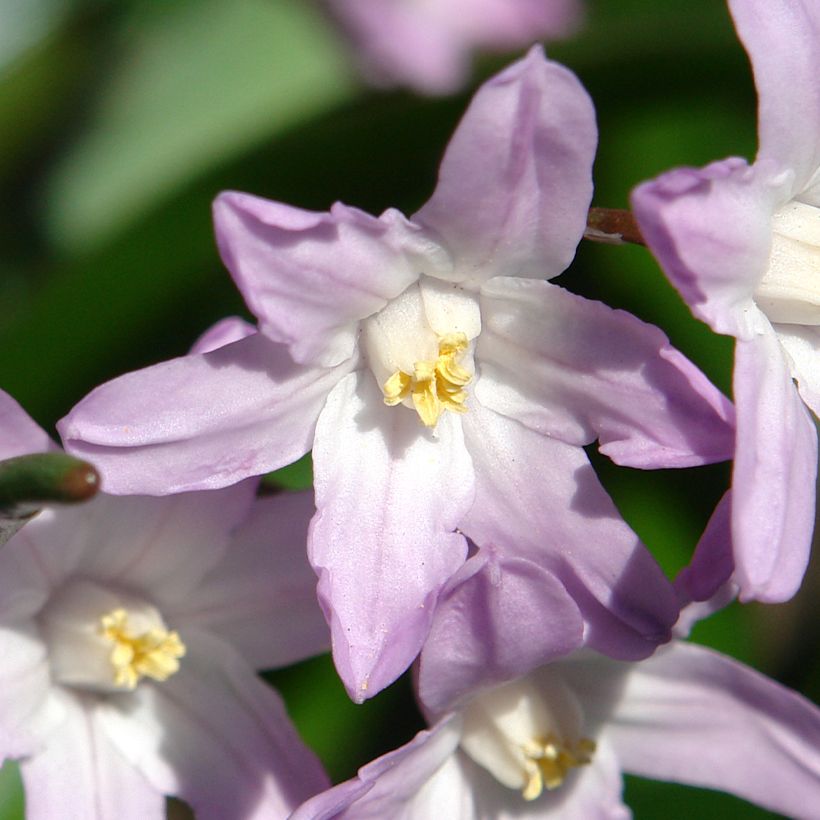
<point x="435" y="386"/>
<point x="549" y="760"/>
<point x="154" y="653"/>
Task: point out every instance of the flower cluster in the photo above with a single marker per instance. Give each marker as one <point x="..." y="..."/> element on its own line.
<point x="450" y="394"/>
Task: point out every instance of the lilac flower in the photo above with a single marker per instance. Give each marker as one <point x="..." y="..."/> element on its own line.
<point x="554" y="741"/>
<point x="130" y="629"/>
<point x="444" y="386"/>
<point x="426" y="44"/>
<point x="742" y="245"/>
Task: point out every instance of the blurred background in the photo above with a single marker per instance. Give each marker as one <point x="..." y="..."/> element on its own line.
<point x="120" y="121"/>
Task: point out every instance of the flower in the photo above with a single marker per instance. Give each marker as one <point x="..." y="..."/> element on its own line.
<point x="554" y="740"/>
<point x="427" y="45"/>
<point x="742" y="245"/>
<point x="130" y="629"/>
<point x="445" y="387"/>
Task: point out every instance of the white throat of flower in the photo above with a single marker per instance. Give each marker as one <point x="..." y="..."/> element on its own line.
<point x="106" y="640"/>
<point x="527" y="734"/>
<point x="419" y="348"/>
<point x="789" y="293"/>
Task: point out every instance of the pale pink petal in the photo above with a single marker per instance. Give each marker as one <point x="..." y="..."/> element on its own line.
<point x="578" y="370"/>
<point x="515" y="182"/>
<point x="81" y="775"/>
<point x="489" y="627"/>
<point x="26" y="716"/>
<point x="540" y="499"/>
<point x="389" y="495"/>
<point x="693" y="716"/>
<point x="200" y="421"/>
<point x="713" y="563"/>
<point x="418" y="780"/>
<point x="310" y="277"/>
<point x="775" y="472"/>
<point x="261" y="598"/>
<point x="215" y="736"/>
<point x="782" y="38"/>
<point x="223" y="333"/>
<point x="19" y="433"/>
<point x="711" y="231"/>
<point x="802" y="344"/>
<point x="162" y="546"/>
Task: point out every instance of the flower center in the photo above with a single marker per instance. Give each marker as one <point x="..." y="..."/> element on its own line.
<point x="434" y="386"/>
<point x="789" y="292"/>
<point x="154" y="653"/>
<point x="548" y="760"/>
<point x="527" y="733"/>
<point x="107" y="640"/>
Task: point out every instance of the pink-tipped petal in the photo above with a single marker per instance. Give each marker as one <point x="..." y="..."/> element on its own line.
<point x="490" y="627"/>
<point x="201" y="421"/>
<point x="693" y="716"/>
<point x="418" y="780"/>
<point x="225" y="331"/>
<point x="578" y="370"/>
<point x="310" y="277"/>
<point x="711" y="231"/>
<point x="775" y="474"/>
<point x="539" y="498"/>
<point x="389" y="496"/>
<point x="782" y="38"/>
<point x="19" y="433"/>
<point x="515" y="183"/>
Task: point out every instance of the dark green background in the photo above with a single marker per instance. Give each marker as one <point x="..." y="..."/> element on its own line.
<point x="119" y="126"/>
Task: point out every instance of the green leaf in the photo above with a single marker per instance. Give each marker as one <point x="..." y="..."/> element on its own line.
<point x="197" y="83"/>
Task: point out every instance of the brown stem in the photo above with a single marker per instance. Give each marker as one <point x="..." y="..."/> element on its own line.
<point x="613" y="225"/>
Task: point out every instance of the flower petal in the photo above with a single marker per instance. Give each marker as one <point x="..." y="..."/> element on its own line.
<point x="216" y="736"/>
<point x="389" y="495"/>
<point x="164" y="545"/>
<point x="578" y="370"/>
<point x="310" y="277"/>
<point x="489" y="627"/>
<point x="200" y="421"/>
<point x="420" y="779"/>
<point x="19" y="433"/>
<point x="515" y="183"/>
<point x="803" y="346"/>
<point x="540" y="499"/>
<point x="711" y="231"/>
<point x="261" y="598"/>
<point x="782" y="38"/>
<point x="775" y="472"/>
<point x="27" y="717"/>
<point x="693" y="716"/>
<point x="80" y="775"/>
<point x="712" y="564"/>
<point x="225" y="331"/>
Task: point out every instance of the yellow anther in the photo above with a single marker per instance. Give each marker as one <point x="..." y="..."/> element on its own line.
<point x="435" y="386"/>
<point x="549" y="760"/>
<point x="154" y="653"/>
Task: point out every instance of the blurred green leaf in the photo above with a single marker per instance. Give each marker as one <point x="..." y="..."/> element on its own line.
<point x="198" y="81"/>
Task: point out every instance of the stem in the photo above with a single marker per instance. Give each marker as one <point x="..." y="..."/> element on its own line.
<point x="614" y="226"/>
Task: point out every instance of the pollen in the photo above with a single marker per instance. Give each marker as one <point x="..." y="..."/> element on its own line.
<point x="154" y="653"/>
<point x="434" y="386"/>
<point x="549" y="760"/>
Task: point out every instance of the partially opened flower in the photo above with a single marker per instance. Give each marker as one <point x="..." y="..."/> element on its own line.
<point x="742" y="245"/>
<point x="130" y="630"/>
<point x="427" y="44"/>
<point x="554" y="741"/>
<point x="445" y="387"/>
